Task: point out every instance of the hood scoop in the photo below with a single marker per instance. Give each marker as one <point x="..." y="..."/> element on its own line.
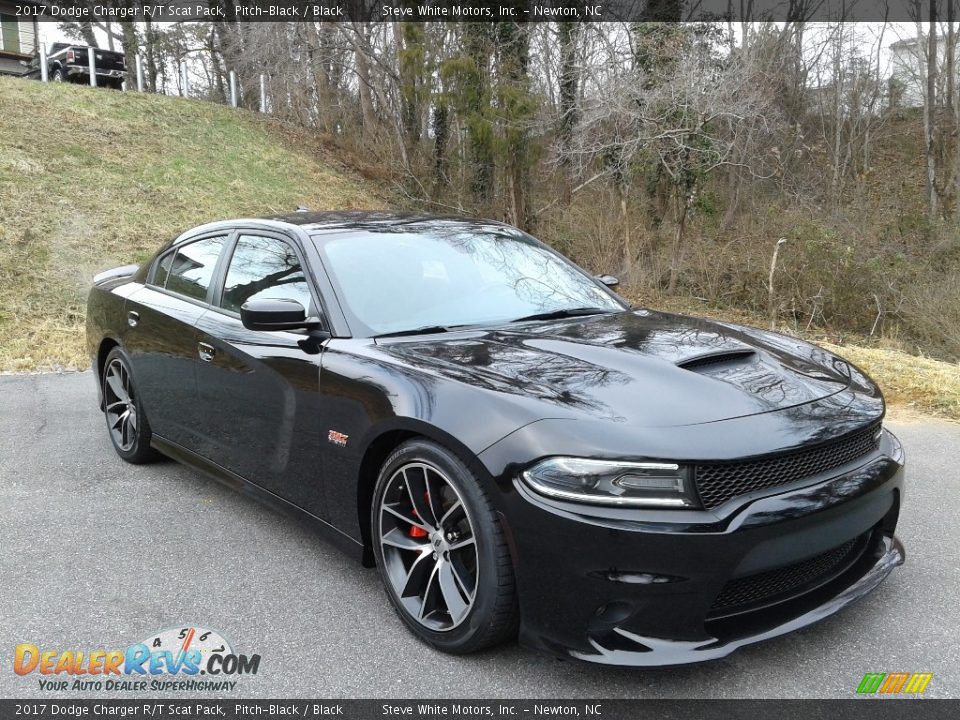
<point x="722" y="357"/>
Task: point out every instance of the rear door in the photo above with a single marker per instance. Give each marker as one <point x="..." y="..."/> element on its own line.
<point x="258" y="390"/>
<point x="162" y="337"/>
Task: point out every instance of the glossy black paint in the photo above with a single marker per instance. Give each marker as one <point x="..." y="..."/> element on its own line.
<point x="606" y="584"/>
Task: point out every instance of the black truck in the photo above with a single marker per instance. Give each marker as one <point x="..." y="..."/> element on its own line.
<point x="70" y="63"/>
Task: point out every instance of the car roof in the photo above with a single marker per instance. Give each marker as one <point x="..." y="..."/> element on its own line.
<point x="345" y="218"/>
<point x="361" y="219"/>
<point x="340" y="220"/>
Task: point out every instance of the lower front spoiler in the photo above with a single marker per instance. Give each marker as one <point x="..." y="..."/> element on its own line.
<point x="653" y="651"/>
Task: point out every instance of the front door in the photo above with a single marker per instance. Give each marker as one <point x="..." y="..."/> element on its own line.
<point x="258" y="390"/>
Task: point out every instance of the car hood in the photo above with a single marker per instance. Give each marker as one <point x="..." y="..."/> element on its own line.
<point x="646" y="368"/>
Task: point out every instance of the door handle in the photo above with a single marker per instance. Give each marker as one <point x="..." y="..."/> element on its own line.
<point x="205" y="351"/>
<point x="133" y="318"/>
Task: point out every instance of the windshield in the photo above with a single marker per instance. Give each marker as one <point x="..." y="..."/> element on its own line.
<point x="404" y="278"/>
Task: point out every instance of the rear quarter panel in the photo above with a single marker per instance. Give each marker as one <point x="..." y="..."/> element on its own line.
<point x="105" y="311"/>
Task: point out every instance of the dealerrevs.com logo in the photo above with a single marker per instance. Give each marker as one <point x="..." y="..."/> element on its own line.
<point x="178" y="659"/>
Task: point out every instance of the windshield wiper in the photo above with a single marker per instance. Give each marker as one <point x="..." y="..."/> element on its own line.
<point x="425" y="330"/>
<point x="552" y="315"/>
<point x="565" y="313"/>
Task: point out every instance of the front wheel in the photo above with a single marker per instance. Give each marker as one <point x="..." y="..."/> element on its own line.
<point x="126" y="421"/>
<point x="441" y="551"/>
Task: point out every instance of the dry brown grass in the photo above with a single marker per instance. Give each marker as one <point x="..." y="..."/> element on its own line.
<point x="93" y="178"/>
<point x="916" y="383"/>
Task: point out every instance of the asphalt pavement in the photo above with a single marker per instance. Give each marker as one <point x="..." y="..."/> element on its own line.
<point x="95" y="553"/>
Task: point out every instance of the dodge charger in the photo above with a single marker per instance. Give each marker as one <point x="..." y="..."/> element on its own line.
<point x="518" y="451"/>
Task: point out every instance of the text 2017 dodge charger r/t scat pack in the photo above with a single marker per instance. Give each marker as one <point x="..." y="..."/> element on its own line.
<point x="513" y="446"/>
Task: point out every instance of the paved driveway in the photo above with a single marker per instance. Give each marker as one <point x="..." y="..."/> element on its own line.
<point x="95" y="553"/>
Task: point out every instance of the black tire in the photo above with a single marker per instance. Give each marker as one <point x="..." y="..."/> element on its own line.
<point x="491" y="615"/>
<point x="58" y="75"/>
<point x="127" y="423"/>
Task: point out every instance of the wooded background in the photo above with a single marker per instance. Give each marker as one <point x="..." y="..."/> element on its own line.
<point x="770" y="167"/>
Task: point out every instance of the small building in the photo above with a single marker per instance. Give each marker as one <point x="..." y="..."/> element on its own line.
<point x="908" y="65"/>
<point x="19" y="36"/>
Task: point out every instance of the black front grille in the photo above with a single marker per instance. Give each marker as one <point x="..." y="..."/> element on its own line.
<point x="719" y="482"/>
<point x="781" y="583"/>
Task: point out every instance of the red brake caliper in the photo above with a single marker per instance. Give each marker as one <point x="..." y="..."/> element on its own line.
<point x="419" y="532"/>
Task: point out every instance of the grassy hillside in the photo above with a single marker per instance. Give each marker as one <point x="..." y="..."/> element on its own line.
<point x="92" y="178"/>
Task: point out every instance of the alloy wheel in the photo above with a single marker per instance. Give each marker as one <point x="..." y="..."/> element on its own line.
<point x="120" y="405"/>
<point x="428" y="546"/>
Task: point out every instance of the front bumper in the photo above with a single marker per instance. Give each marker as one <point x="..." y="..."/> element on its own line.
<point x="641" y="588"/>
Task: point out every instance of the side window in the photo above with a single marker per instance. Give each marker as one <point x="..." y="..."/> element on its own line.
<point x="163" y="270"/>
<point x="264" y="268"/>
<point x="192" y="267"/>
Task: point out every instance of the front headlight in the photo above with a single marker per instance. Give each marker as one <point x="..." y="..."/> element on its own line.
<point x="607" y="482"/>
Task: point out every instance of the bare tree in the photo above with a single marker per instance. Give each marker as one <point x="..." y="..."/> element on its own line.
<point x="930" y="114"/>
<point x="680" y="126"/>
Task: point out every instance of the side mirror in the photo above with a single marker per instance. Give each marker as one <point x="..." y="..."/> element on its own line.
<point x="275" y="315"/>
<point x="608" y="280"/>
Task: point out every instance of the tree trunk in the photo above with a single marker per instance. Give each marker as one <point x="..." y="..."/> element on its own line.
<point x="131" y="47"/>
<point x="569" y="80"/>
<point x="627" y="240"/>
<point x="838" y="115"/>
<point x="441" y="131"/>
<point x="953" y="114"/>
<point x="320" y="63"/>
<point x="363" y="77"/>
<point x="230" y="46"/>
<point x="930" y="116"/>
<point x="150" y="40"/>
<point x="86" y="31"/>
<point x="475" y="98"/>
<point x="514" y="97"/>
<point x="771" y="293"/>
<point x="411" y="51"/>
<point x="676" y="255"/>
<point x="219" y="80"/>
<point x="108" y="27"/>
<point x="734" y="183"/>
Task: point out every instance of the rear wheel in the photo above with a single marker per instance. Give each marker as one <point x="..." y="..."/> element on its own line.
<point x="126" y="421"/>
<point x="441" y="551"/>
<point x="59" y="75"/>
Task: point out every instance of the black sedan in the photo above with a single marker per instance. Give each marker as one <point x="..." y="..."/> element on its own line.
<point x="514" y="447"/>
